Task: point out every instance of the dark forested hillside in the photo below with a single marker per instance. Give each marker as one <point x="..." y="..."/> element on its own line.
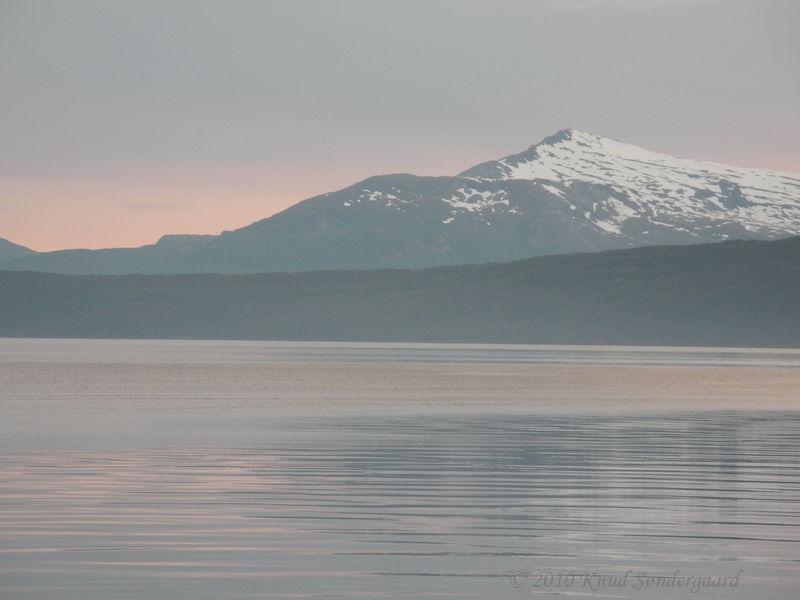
<point x="732" y="294"/>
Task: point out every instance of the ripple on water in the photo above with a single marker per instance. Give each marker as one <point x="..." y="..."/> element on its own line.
<point x="412" y="506"/>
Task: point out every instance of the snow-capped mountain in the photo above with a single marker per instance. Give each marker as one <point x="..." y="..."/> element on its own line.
<point x="703" y="199"/>
<point x="572" y="192"/>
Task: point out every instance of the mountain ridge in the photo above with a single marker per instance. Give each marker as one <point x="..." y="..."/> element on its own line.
<point x="10" y="251"/>
<point x="571" y="192"/>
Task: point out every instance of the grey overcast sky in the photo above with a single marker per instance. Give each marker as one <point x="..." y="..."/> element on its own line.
<point x="122" y="120"/>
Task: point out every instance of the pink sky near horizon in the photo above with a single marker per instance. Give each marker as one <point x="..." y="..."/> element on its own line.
<point x="124" y="121"/>
<point x="57" y="214"/>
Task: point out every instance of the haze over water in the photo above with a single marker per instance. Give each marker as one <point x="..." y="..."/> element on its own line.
<point x="152" y="469"/>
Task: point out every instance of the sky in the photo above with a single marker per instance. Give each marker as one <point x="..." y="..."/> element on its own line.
<point x="123" y="120"/>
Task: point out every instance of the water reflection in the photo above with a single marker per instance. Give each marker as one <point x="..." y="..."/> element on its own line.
<point x="414" y="507"/>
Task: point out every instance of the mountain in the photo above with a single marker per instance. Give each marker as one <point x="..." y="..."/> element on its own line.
<point x="10" y="251"/>
<point x="724" y="294"/>
<point x="572" y="192"/>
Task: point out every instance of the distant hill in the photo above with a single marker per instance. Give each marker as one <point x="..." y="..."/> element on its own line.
<point x="10" y="251"/>
<point x="727" y="294"/>
<point x="572" y="192"/>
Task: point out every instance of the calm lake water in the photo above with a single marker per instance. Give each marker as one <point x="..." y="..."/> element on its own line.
<point x="209" y="470"/>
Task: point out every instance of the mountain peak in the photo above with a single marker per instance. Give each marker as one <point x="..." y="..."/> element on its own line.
<point x="571" y="154"/>
<point x="592" y="142"/>
<point x="571" y="134"/>
<point x="564" y="142"/>
<point x="559" y="136"/>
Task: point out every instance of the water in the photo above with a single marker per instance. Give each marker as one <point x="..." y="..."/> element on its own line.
<point x="130" y="470"/>
<point x="235" y="351"/>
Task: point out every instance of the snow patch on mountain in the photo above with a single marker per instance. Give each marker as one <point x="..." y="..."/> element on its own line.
<point x="391" y="200"/>
<point x="471" y="200"/>
<point x="554" y="190"/>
